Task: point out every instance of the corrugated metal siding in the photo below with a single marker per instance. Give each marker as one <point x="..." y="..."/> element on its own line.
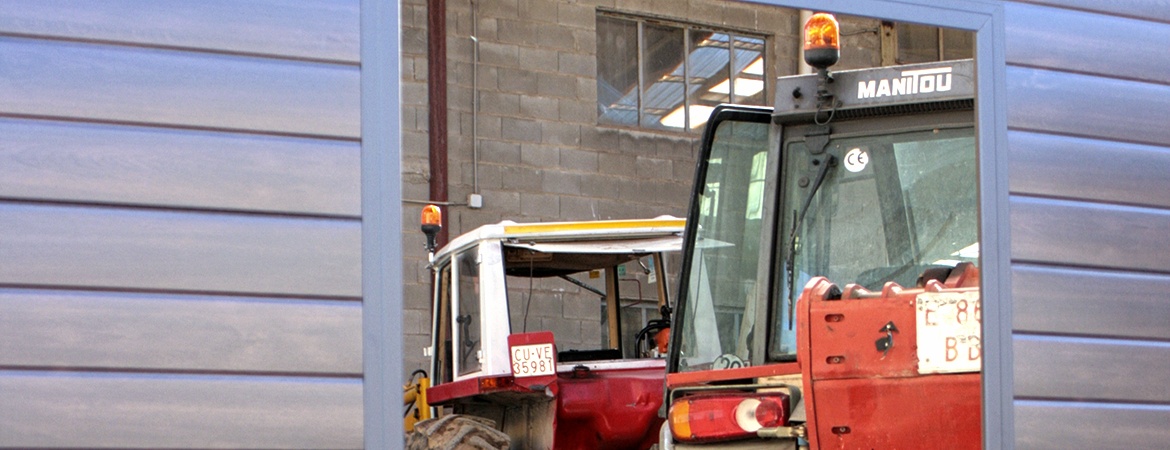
<point x="1089" y="100"/>
<point x="180" y="254"/>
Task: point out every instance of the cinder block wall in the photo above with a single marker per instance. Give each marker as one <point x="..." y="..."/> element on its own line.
<point x="542" y="155"/>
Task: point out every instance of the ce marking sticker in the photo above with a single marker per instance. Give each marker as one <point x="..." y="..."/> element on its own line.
<point x="856" y="160"/>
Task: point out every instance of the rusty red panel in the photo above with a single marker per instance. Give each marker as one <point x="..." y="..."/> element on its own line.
<point x="845" y="336"/>
<point x="862" y="392"/>
<point x="927" y="412"/>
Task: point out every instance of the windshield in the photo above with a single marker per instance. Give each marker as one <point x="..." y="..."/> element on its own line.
<point x="717" y="329"/>
<point x="568" y="293"/>
<point x="890" y="207"/>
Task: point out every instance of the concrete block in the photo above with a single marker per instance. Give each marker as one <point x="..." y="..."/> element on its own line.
<point x="579" y="160"/>
<point x="617" y="164"/>
<point x="500" y="8"/>
<point x="653" y="167"/>
<point x="520" y="32"/>
<point x="538" y="59"/>
<point x="414" y="143"/>
<point x="538" y="10"/>
<point x="416" y="321"/>
<point x="576" y="111"/>
<point x="519" y="130"/>
<point x="610" y="209"/>
<point x="606" y="140"/>
<point x="521" y="179"/>
<point x="602" y="187"/>
<point x="490" y="176"/>
<point x="519" y="81"/>
<point x="566" y="333"/>
<point x="580" y="64"/>
<point x="554" y="36"/>
<point x="560" y="183"/>
<point x="593" y="334"/>
<point x="415" y="187"/>
<point x="487" y="28"/>
<point x="578" y="208"/>
<point x="540" y="156"/>
<point x="558" y="85"/>
<point x="582" y="309"/>
<point x="499" y="54"/>
<point x="587" y="89"/>
<point x="543" y="304"/>
<point x="556" y="133"/>
<point x="585" y="40"/>
<point x="540" y="108"/>
<point x="420" y="68"/>
<point x="412" y="353"/>
<point x="503" y="200"/>
<point x="490" y="127"/>
<point x="493" y="151"/>
<point x="539" y="205"/>
<point x="499" y="103"/>
<point x="414" y="94"/>
<point x="576" y="15"/>
<point x="741" y="15"/>
<point x="414" y="41"/>
<point x="634" y="190"/>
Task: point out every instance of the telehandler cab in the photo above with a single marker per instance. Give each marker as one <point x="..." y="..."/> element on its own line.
<point x="829" y="294"/>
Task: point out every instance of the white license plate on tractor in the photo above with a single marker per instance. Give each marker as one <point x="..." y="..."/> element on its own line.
<point x="949" y="337"/>
<point x="533" y="360"/>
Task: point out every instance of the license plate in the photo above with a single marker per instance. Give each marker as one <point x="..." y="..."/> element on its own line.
<point x="949" y="337"/>
<point x="533" y="360"/>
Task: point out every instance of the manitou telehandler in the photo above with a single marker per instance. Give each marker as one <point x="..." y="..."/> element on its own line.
<point x="829" y="294"/>
<point x="534" y="345"/>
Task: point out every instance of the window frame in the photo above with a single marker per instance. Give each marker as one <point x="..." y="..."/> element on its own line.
<point x="688" y="27"/>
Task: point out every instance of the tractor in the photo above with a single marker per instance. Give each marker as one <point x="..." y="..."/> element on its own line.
<point x="829" y="293"/>
<point x="547" y="335"/>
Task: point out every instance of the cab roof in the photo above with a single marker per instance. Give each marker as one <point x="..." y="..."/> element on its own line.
<point x="597" y="236"/>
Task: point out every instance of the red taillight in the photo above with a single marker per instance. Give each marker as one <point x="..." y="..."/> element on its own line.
<point x="701" y="418"/>
<point x="490" y="384"/>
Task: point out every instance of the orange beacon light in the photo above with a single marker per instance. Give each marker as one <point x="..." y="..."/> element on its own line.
<point x="432" y="223"/>
<point x="822" y="41"/>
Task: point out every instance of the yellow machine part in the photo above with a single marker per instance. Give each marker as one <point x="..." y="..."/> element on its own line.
<point x="414" y="398"/>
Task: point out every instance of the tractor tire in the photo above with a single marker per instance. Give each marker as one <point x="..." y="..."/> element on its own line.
<point x="457" y="432"/>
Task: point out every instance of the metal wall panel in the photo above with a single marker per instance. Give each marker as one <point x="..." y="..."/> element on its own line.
<point x="1090" y="234"/>
<point x="119" y="410"/>
<point x="309" y="29"/>
<point x="1047" y="361"/>
<point x="180" y="209"/>
<point x="54" y="246"/>
<point x="1059" y="300"/>
<point x="1088" y="106"/>
<point x="1158" y="10"/>
<point x="1044" y="425"/>
<point x="63" y="330"/>
<point x="120" y="165"/>
<point x="1088" y="103"/>
<point x="1077" y="41"/>
<point x="1105" y="171"/>
<point x="170" y="88"/>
